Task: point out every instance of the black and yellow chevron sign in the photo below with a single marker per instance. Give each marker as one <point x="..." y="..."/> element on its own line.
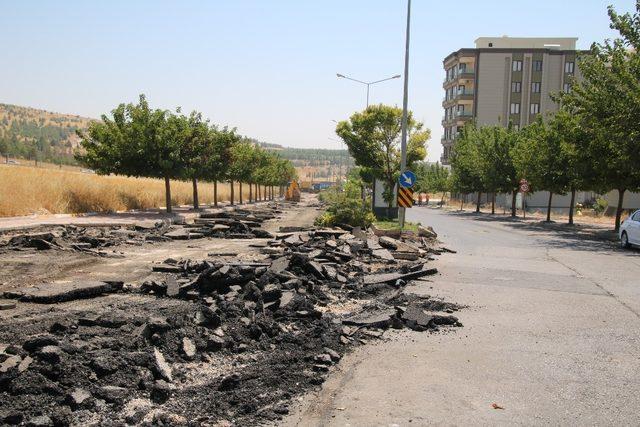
<point x="405" y="197"/>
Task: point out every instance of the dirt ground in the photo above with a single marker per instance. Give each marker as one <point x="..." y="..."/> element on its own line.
<point x="31" y="267"/>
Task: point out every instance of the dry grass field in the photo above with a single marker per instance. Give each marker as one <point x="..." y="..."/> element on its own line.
<point x="27" y="190"/>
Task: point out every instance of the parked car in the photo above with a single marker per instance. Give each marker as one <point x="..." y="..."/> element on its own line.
<point x="630" y="230"/>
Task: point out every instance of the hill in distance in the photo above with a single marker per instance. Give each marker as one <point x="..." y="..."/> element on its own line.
<point x="28" y="132"/>
<point x="31" y="133"/>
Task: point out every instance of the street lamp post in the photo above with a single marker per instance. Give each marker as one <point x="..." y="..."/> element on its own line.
<point x="368" y="84"/>
<point x="403" y="142"/>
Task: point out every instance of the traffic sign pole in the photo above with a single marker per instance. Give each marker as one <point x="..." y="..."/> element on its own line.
<point x="524" y="189"/>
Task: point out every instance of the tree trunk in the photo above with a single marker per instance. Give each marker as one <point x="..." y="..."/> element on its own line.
<point x="250" y="192"/>
<point x="619" y="209"/>
<point x="196" y="202"/>
<point x="493" y="203"/>
<point x="478" y="202"/>
<point x="461" y="203"/>
<point x="549" y="206"/>
<point x="215" y="194"/>
<point x="240" y="193"/>
<point x="232" y="195"/>
<point x="573" y="203"/>
<point x="513" y="203"/>
<point x="167" y="193"/>
<point x="257" y="193"/>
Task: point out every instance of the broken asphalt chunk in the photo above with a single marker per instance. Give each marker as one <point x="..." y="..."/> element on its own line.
<point x="380" y="319"/>
<point x="59" y="292"/>
<point x="372" y="279"/>
<point x="161" y="367"/>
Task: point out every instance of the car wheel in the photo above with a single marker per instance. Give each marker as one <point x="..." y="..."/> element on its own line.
<point x="624" y="240"/>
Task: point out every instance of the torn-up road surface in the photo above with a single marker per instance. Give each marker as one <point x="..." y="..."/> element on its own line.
<point x="213" y="325"/>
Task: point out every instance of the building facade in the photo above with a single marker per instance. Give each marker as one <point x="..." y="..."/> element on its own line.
<point x="503" y="80"/>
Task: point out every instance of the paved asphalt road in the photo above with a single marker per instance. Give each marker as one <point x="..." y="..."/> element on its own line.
<point x="552" y="335"/>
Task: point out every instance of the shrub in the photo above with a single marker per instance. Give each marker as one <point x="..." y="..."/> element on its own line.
<point x="600" y="205"/>
<point x="343" y="209"/>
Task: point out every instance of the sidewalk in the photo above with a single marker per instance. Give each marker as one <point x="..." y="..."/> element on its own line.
<point x="180" y="214"/>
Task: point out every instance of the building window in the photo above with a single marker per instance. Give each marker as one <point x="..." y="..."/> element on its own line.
<point x="462" y="67"/>
<point x="534" y="109"/>
<point x="569" y="67"/>
<point x="535" y="87"/>
<point x="516" y="87"/>
<point x="515" y="108"/>
<point x="567" y="87"/>
<point x="516" y="66"/>
<point x="537" y="65"/>
<point x="460" y="89"/>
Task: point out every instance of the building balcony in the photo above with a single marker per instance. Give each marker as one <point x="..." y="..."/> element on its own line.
<point x="467" y="94"/>
<point x="461" y="115"/>
<point x="467" y="73"/>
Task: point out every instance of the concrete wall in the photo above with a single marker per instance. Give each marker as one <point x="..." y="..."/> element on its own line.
<point x="493" y="81"/>
<point x="630" y="201"/>
<point x="552" y="80"/>
<point x="560" y="203"/>
<point x="380" y="209"/>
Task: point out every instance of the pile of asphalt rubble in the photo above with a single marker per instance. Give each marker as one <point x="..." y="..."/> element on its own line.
<point x="217" y="342"/>
<point x="235" y="224"/>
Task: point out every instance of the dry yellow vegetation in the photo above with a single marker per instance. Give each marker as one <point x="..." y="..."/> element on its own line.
<point x="26" y="190"/>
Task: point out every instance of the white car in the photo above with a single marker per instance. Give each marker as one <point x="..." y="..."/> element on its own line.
<point x="630" y="230"/>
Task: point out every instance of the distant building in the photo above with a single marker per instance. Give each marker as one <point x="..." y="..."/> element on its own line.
<point x="504" y="79"/>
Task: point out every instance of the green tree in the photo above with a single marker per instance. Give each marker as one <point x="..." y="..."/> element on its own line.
<point x="194" y="150"/>
<point x="466" y="163"/>
<point x="607" y="100"/>
<point x="373" y="139"/>
<point x="541" y="157"/>
<point x="217" y="158"/>
<point x="244" y="160"/>
<point x="578" y="164"/>
<point x="433" y="178"/>
<point x="4" y="148"/>
<point x="136" y="141"/>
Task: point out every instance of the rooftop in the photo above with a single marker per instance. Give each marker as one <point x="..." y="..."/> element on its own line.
<point x="506" y="42"/>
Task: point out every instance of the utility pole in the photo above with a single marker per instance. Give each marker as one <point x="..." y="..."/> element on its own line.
<point x="403" y="143"/>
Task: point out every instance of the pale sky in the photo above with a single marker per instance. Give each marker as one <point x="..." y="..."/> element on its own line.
<point x="266" y="67"/>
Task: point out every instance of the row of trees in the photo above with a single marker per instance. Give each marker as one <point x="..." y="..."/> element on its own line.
<point x="591" y="143"/>
<point x="143" y="142"/>
<point x="432" y="178"/>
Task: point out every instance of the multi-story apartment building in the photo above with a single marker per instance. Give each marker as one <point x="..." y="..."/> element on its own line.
<point x="502" y="80"/>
